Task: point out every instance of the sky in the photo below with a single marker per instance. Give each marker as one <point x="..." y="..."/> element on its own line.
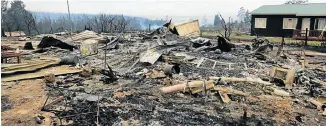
<point x="178" y="10"/>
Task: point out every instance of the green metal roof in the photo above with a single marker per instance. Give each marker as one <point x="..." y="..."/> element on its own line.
<point x="311" y="9"/>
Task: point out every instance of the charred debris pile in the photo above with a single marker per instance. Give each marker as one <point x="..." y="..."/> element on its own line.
<point x="172" y="76"/>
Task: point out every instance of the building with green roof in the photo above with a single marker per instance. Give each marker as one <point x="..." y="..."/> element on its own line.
<point x="288" y="20"/>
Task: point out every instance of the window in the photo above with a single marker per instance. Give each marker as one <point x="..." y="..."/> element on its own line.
<point x="290" y="23"/>
<point x="320" y="23"/>
<point x="260" y="22"/>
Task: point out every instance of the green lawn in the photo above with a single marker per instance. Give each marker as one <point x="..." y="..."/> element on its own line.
<point x="271" y="39"/>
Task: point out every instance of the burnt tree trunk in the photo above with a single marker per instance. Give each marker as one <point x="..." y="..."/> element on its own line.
<point x="3" y="32"/>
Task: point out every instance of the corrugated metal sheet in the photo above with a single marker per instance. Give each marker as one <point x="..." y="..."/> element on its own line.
<point x="30" y="66"/>
<point x="189" y="28"/>
<point x="83" y="36"/>
<point x="151" y="56"/>
<point x="39" y="74"/>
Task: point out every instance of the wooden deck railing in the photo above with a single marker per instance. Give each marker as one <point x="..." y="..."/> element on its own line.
<point x="314" y="35"/>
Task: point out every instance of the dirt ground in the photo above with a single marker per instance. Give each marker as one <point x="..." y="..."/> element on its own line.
<point x="27" y="98"/>
<point x="14" y="44"/>
<point x="18" y="44"/>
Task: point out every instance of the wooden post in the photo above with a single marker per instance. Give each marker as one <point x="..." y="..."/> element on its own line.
<point x="149" y="27"/>
<point x="105" y="49"/>
<point x="306" y="39"/>
<point x="18" y="59"/>
<point x="106" y="44"/>
<point x="70" y="21"/>
<point x="98" y="111"/>
<point x="280" y="48"/>
<point x="3" y="32"/>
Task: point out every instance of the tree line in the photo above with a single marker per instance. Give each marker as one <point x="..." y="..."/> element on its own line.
<point x="243" y="22"/>
<point x="240" y="24"/>
<point x="17" y="18"/>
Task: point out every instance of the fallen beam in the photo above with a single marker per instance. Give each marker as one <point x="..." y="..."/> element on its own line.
<point x="180" y="87"/>
<point x="247" y="79"/>
<point x="197" y="86"/>
<point x="280" y="92"/>
<point x="224" y="96"/>
<point x="230" y="91"/>
<point x="209" y="85"/>
<point x="276" y="91"/>
<point x="218" y="88"/>
<point x="320" y="106"/>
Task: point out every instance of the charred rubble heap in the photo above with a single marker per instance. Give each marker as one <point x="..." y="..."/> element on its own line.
<point x="164" y="79"/>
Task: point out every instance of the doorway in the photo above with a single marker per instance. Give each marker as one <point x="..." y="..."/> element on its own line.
<point x="305" y="24"/>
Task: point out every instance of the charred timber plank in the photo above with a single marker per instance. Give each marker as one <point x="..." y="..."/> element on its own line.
<point x="214" y="65"/>
<point x="38" y="74"/>
<point x="181" y="87"/>
<point x="235" y="79"/>
<point x="225" y="98"/>
<point x="209" y="85"/>
<point x="27" y="67"/>
<point x="320" y="106"/>
<point x="200" y="62"/>
<point x="197" y="86"/>
<point x="230" y="91"/>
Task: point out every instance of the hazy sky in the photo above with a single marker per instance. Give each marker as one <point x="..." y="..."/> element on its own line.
<point x="154" y="9"/>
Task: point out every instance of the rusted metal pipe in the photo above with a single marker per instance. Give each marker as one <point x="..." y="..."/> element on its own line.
<point x="171" y="69"/>
<point x="53" y="102"/>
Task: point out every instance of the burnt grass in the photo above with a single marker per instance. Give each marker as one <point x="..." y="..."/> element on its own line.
<point x="154" y="112"/>
<point x="149" y="107"/>
<point x="5" y="103"/>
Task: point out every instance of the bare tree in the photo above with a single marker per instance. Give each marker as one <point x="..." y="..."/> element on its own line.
<point x="227" y="27"/>
<point x="88" y="21"/>
<point x="134" y="24"/>
<point x="30" y="22"/>
<point x="15" y="11"/>
<point x="11" y="18"/>
<point x="241" y="17"/>
<point x="4" y="5"/>
<point x="122" y="23"/>
<point x="27" y="21"/>
<point x="96" y="23"/>
<point x="8" y="23"/>
<point x="4" y="8"/>
<point x="34" y="27"/>
<point x="103" y="19"/>
<point x="44" y="25"/>
<point x="105" y="23"/>
<point x="16" y="17"/>
<point x="110" y="22"/>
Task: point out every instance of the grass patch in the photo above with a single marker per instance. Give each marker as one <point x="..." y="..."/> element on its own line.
<point x="271" y="39"/>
